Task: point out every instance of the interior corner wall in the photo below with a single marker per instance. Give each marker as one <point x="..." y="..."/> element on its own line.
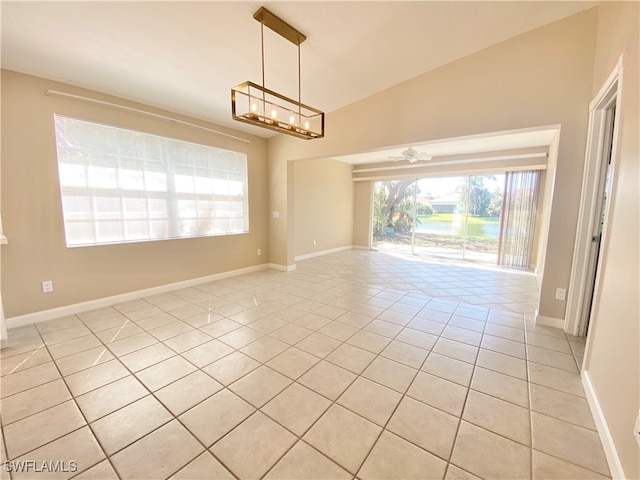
<point x="362" y="213"/>
<point x="542" y="77"/>
<point x="32" y="211"/>
<point x="323" y="198"/>
<point x="612" y="358"/>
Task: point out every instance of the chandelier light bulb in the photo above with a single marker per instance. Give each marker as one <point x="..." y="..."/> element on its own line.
<point x="306" y="125"/>
<point x="274" y="113"/>
<point x="254" y="108"/>
<point x="292" y="120"/>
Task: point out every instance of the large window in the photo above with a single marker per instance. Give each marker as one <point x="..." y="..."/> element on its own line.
<point x="122" y="186"/>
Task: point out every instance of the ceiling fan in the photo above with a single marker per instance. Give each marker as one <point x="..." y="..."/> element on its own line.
<point x="411" y="155"/>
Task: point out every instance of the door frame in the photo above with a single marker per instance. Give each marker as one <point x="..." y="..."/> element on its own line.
<point x="608" y="95"/>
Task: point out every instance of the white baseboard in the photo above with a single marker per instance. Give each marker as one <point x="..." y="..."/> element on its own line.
<point x="610" y="452"/>
<point x="282" y="268"/>
<point x="323" y="252"/>
<point x="549" y="321"/>
<point x="45" y="315"/>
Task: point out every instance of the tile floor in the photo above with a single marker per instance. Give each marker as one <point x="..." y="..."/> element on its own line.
<point x="357" y="365"/>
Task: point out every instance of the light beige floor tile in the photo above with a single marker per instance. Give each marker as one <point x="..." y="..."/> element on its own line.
<point x="425" y="426"/>
<point x="330" y="311"/>
<point x="546" y="467"/>
<point x="462" y="335"/>
<point x="268" y="324"/>
<point x="390" y="374"/>
<point x="501" y="363"/>
<point x="183" y="394"/>
<point x="145" y="357"/>
<point x="312" y="321"/>
<point x="207" y="353"/>
<point x="381" y="327"/>
<point x="468" y="323"/>
<point x="111" y="397"/>
<point x="32" y="432"/>
<point x="296" y="408"/>
<point x="83" y="360"/>
<point x="95" y="377"/>
<point x="561" y="405"/>
<point x="187" y="341"/>
<point x="152" y="319"/>
<point x="58" y="324"/>
<point x="17" y="363"/>
<point x="29" y="378"/>
<point x="427" y="326"/>
<point x="417" y="338"/>
<point x="327" y="379"/>
<point x="338" y="330"/>
<point x="220" y="327"/>
<point x="260" y="386"/>
<point x="459" y="351"/>
<point x="502" y="386"/>
<point x="498" y="416"/>
<point x="488" y="455"/>
<point x="101" y="471"/>
<point x="559" y="344"/>
<point x="393" y="457"/>
<point x="575" y="444"/>
<point x="59" y="336"/>
<point x="241" y="337"/>
<point x="371" y="400"/>
<point x="115" y="334"/>
<point x="502" y="331"/>
<point x="303" y="462"/>
<point x="502" y="345"/>
<point x="479" y="313"/>
<point x="19" y="346"/>
<point x="80" y="447"/>
<point x="164" y="373"/>
<point x="456" y="473"/>
<point x="356" y="319"/>
<point x="232" y="367"/>
<point x="34" y="400"/>
<point x="448" y="368"/>
<point x="205" y="466"/>
<point x="556" y="379"/>
<point x="125" y="426"/>
<point x="291" y="333"/>
<point x="352" y="358"/>
<point x="369" y="341"/>
<point x="551" y="358"/>
<point x="347" y="445"/>
<point x="76" y="345"/>
<point x="318" y="345"/>
<point x="293" y="362"/>
<point x="168" y="449"/>
<point x="122" y="346"/>
<point x="264" y="349"/>
<point x="213" y="418"/>
<point x="170" y="330"/>
<point x="254" y="447"/>
<point x="439" y="393"/>
<point x="405" y="354"/>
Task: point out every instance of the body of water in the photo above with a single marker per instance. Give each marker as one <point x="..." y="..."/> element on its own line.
<point x="456" y="228"/>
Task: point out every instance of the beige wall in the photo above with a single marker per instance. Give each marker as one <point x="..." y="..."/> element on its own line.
<point x="362" y="213"/>
<point x="543" y="77"/>
<point x="613" y="361"/>
<point x="323" y="196"/>
<point x="32" y="214"/>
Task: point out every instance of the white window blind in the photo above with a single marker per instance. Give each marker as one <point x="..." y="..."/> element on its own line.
<point x="122" y="186"/>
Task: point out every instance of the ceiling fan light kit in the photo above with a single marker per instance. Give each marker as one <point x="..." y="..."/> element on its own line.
<point x="411" y="155"/>
<point x="256" y="105"/>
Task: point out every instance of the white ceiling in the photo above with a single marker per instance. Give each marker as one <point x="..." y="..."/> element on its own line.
<point x="185" y="56"/>
<point x="512" y="143"/>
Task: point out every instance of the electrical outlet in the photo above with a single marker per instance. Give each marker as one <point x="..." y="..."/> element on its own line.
<point x="275" y="214"/>
<point x="636" y="428"/>
<point x="259" y="251"/>
<point x="561" y="293"/>
<point x="47" y="286"/>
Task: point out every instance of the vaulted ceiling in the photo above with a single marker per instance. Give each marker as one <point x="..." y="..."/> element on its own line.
<point x="185" y="56"/>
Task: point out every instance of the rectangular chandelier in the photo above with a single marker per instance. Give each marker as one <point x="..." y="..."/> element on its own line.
<point x="256" y="105"/>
